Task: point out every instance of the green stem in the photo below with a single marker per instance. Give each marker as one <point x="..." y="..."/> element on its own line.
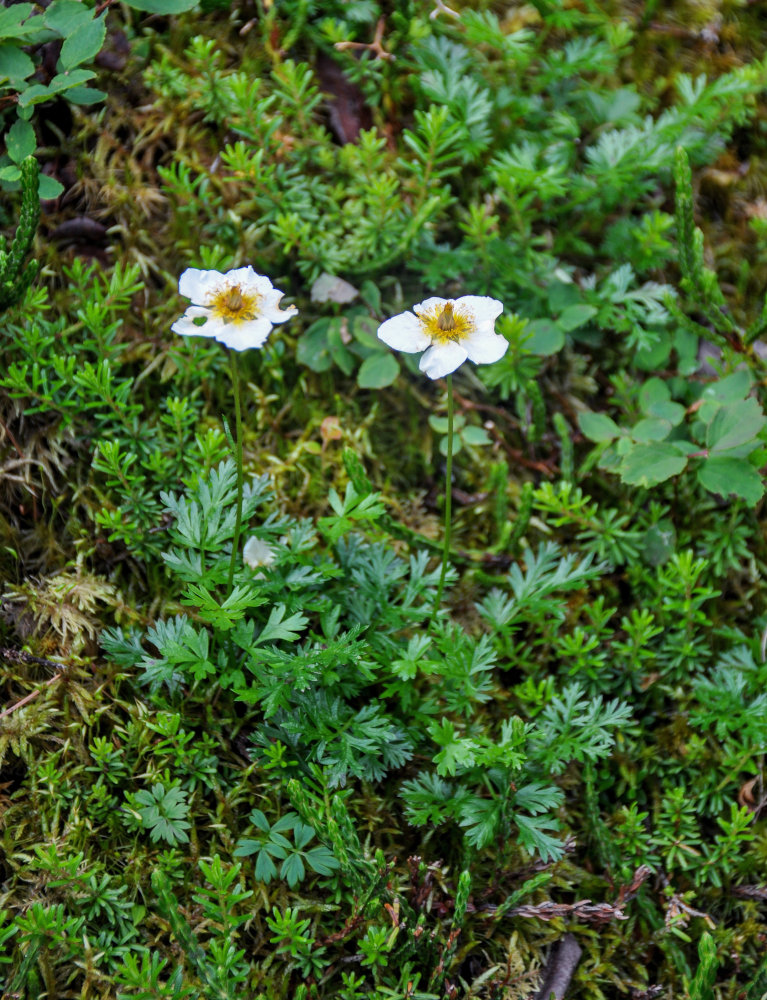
<point x="448" y="495"/>
<point x="238" y="444"/>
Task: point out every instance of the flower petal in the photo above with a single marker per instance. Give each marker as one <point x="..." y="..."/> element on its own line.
<point x="197" y="285"/>
<point x="484" y="310"/>
<point x="249" y="280"/>
<point x="442" y="359"/>
<point x="257" y="553"/>
<point x="404" y="333"/>
<point x="484" y="347"/>
<point x="270" y="307"/>
<point x="243" y="336"/>
<point x="187" y="328"/>
<point x="430" y="305"/>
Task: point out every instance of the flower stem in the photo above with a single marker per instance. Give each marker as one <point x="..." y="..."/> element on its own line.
<point x="448" y="495"/>
<point x="238" y="445"/>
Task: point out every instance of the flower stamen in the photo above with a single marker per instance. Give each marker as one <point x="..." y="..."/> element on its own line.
<point x="233" y="305"/>
<point x="446" y="321"/>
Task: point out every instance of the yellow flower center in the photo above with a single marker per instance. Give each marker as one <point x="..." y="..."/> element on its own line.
<point x="233" y="305"/>
<point x="444" y="324"/>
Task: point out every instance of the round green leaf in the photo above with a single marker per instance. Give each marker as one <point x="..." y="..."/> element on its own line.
<point x="546" y="337"/>
<point x="377" y="371"/>
<point x="313" y="349"/>
<point x="49" y="188"/>
<point x="658" y="543"/>
<point x="598" y="426"/>
<point x="20" y="141"/>
<point x="457" y="444"/>
<point x="475" y="436"/>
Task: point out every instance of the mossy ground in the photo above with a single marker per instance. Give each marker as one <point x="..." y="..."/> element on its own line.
<point x="146" y="189"/>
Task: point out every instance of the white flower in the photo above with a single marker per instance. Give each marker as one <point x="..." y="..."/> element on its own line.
<point x="239" y="307"/>
<point x="257" y="554"/>
<point x="449" y="331"/>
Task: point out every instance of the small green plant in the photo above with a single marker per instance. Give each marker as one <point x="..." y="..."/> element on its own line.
<point x="16" y="273"/>
<point x="273" y="844"/>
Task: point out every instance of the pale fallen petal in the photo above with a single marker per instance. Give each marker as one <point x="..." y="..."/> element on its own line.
<point x="257" y="553"/>
<point x="331" y="288"/>
<point x="484" y="310"/>
<point x="442" y="359"/>
<point x="243" y="336"/>
<point x="404" y="333"/>
<point x="197" y="285"/>
<point x="188" y="328"/>
<point x="484" y="347"/>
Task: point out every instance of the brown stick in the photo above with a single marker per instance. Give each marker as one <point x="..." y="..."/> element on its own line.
<point x="560" y="969"/>
<point x="21" y="656"/>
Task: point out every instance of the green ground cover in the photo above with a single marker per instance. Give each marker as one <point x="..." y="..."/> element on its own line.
<point x="319" y="775"/>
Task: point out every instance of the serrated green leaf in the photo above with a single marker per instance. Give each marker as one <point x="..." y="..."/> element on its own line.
<point x="727" y="476"/>
<point x="35" y="94"/>
<point x="650" y="429"/>
<point x="65" y="16"/>
<point x="653" y="392"/>
<point x="729" y="389"/>
<point x="16" y="22"/>
<point x="670" y="411"/>
<point x="650" y="464"/>
<point x="378" y="371"/>
<point x="84" y="43"/>
<point x="735" y="424"/>
<point x="598" y="426"/>
<point x="84" y="96"/>
<point x="15" y="65"/>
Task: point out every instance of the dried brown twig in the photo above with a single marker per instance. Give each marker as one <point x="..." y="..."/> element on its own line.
<point x="21" y="656"/>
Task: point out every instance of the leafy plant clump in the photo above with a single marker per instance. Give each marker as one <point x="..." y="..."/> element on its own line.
<point x="253" y="744"/>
